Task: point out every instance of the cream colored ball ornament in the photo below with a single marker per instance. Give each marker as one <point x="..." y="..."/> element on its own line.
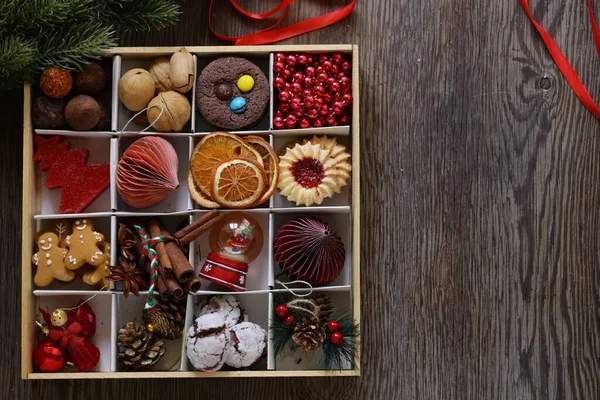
<point x="136" y="89"/>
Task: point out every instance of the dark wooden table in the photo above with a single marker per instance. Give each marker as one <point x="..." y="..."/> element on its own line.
<point x="480" y="209"/>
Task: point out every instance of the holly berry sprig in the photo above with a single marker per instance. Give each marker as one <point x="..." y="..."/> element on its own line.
<point x="340" y="345"/>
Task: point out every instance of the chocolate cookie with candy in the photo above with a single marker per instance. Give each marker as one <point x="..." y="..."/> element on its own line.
<point x="232" y="93"/>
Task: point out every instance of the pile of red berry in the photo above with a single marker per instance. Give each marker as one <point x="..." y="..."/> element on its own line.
<point x="312" y="90"/>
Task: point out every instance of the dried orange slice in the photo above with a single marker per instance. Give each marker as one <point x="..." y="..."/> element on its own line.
<point x="270" y="164"/>
<point x="238" y="182"/>
<point x="198" y="196"/>
<point x="211" y="151"/>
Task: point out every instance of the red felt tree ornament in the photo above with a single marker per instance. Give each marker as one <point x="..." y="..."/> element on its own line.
<point x="81" y="183"/>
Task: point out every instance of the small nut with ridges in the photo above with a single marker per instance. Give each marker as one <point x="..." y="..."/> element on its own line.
<point x="160" y="72"/>
<point x="177" y="111"/>
<point x="182" y="71"/>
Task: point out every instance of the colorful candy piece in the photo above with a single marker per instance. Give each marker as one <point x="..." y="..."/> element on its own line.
<point x="245" y="83"/>
<point x="238" y="105"/>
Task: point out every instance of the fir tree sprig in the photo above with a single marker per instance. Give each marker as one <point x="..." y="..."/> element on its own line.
<point x="136" y="15"/>
<point x="35" y="34"/>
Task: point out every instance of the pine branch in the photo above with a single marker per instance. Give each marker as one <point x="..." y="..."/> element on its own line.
<point x="72" y="47"/>
<point x="37" y="16"/>
<point x="16" y="56"/>
<point x="142" y="15"/>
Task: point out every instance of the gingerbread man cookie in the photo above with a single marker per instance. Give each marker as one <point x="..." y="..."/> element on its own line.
<point x="50" y="261"/>
<point x="97" y="275"/>
<point x="83" y="245"/>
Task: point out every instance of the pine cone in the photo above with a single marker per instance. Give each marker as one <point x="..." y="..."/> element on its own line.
<point x="168" y="318"/>
<point x="324" y="303"/>
<point x="138" y="348"/>
<point x="309" y="335"/>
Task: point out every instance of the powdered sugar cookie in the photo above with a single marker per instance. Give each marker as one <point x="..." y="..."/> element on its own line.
<point x="206" y="341"/>
<point x="227" y="306"/>
<point x="247" y="343"/>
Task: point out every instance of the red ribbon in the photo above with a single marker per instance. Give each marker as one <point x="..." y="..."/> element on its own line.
<point x="270" y="34"/>
<point x="561" y="61"/>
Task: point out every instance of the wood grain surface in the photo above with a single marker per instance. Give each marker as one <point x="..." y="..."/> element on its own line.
<point x="480" y="193"/>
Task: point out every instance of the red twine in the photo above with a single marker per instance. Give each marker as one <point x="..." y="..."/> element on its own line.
<point x="270" y="34"/>
<point x="561" y="61"/>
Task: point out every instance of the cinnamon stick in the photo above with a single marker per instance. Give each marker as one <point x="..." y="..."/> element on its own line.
<point x="182" y="268"/>
<point x="199" y="229"/>
<point x="160" y="248"/>
<point x="166" y="285"/>
<point x="193" y="285"/>
<point x="197" y="223"/>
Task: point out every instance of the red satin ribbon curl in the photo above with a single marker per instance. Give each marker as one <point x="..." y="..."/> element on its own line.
<point x="561" y="61"/>
<point x="270" y="34"/>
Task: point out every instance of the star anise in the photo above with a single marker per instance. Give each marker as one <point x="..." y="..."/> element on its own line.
<point x="128" y="272"/>
<point x="131" y="276"/>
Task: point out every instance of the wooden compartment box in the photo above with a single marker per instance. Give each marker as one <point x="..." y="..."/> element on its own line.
<point x="40" y="211"/>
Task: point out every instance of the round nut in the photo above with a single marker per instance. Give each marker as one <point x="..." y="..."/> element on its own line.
<point x="177" y="111"/>
<point x="160" y="72"/>
<point x="136" y="89"/>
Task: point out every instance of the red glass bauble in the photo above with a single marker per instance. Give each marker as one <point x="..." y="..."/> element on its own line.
<point x="310" y="71"/>
<point x="319" y="102"/>
<point x="308" y="82"/>
<point x="336" y="338"/>
<point x="347" y="89"/>
<point x="301" y="59"/>
<point x="319" y="90"/>
<point x="337" y="58"/>
<point x="309" y="101"/>
<point x="344" y="120"/>
<point x="344" y="81"/>
<point x="346" y="66"/>
<point x="335" y="69"/>
<point x="304" y="123"/>
<point x="278" y="82"/>
<point x="309" y="58"/>
<point x="324" y="110"/>
<point x="327" y="65"/>
<point x="333" y="326"/>
<point x="306" y="93"/>
<point x="278" y="67"/>
<point x="318" y="123"/>
<point x="299" y="111"/>
<point x="337" y="107"/>
<point x="335" y="87"/>
<point x="330" y="120"/>
<point x="295" y="102"/>
<point x="297" y="77"/>
<point x="347" y="98"/>
<point x="279" y="57"/>
<point x="297" y="88"/>
<point x="341" y="75"/>
<point x="291" y="60"/>
<point x="278" y="122"/>
<point x="286" y="73"/>
<point x="282" y="310"/>
<point x="320" y="70"/>
<point x="290" y="121"/>
<point x="285" y="108"/>
<point x="312" y="113"/>
<point x="284" y="96"/>
<point x="327" y="98"/>
<point x="49" y="357"/>
<point x="323" y="58"/>
<point x="289" y="321"/>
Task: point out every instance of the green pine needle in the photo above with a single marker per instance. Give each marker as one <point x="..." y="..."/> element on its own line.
<point x="16" y="56"/>
<point x="76" y="45"/>
<point x="138" y="15"/>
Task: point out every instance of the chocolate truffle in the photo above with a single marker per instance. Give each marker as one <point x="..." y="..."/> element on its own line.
<point x="216" y="109"/>
<point x="48" y="113"/>
<point x="82" y="112"/>
<point x="91" y="80"/>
